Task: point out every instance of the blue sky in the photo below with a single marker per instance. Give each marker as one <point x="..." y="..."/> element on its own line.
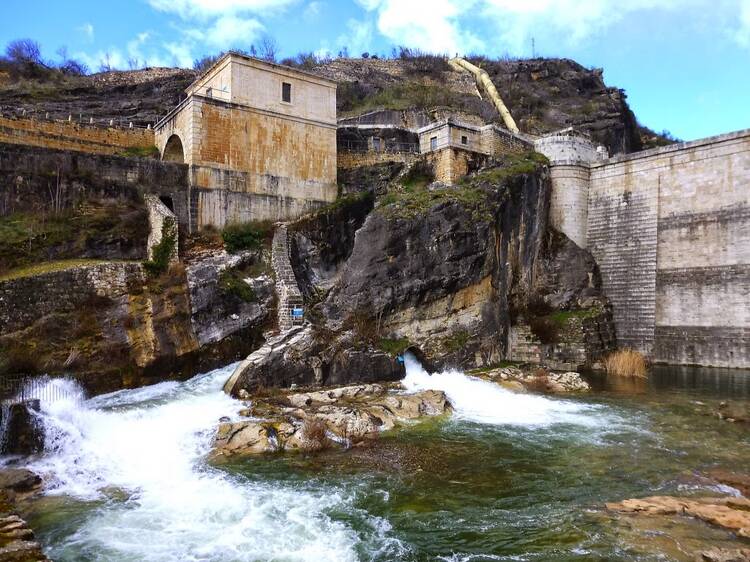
<point x="685" y="64"/>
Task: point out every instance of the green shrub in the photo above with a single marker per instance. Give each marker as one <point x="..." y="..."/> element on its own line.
<point x="456" y="342"/>
<point x="394" y="346"/>
<point x="232" y="282"/>
<point x="141" y="152"/>
<point x="246" y="236"/>
<point x="162" y="253"/>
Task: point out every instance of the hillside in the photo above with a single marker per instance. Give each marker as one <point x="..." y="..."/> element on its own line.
<point x="542" y="94"/>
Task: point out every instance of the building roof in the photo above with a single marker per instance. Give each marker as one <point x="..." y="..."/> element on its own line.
<point x="258" y="62"/>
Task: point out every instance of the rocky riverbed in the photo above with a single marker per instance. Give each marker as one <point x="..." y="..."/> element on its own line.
<point x="322" y="419"/>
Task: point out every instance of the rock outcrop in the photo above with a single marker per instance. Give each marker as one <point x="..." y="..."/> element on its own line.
<point x="450" y="270"/>
<point x="17" y="540"/>
<point x="306" y="357"/>
<point x="114" y="326"/>
<point x="536" y="380"/>
<point x="315" y="420"/>
<point x="730" y="513"/>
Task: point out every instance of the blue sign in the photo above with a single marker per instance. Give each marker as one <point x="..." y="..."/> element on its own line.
<point x="297" y="312"/>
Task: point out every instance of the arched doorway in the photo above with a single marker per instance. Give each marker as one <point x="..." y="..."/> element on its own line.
<point x="173" y="151"/>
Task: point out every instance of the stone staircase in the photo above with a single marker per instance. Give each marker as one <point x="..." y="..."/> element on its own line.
<point x="525" y="347"/>
<point x="287" y="289"/>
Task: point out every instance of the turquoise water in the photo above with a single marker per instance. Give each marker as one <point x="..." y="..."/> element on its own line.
<point x="504" y="478"/>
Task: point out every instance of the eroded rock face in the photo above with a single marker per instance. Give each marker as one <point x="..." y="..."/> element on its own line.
<point x="17" y="541"/>
<point x="315" y="420"/>
<point x="215" y="315"/>
<point x="514" y="378"/>
<point x="302" y="357"/>
<point x="730" y="513"/>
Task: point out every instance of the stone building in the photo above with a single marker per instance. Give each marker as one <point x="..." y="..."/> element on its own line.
<point x="260" y="139"/>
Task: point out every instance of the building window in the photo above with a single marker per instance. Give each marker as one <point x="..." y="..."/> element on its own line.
<point x="464" y="140"/>
<point x="433" y="143"/>
<point x="286" y="92"/>
<point x="376" y="144"/>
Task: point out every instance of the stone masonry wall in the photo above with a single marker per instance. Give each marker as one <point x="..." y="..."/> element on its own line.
<point x="24" y="300"/>
<point x="29" y="175"/>
<point x="670" y="230"/>
<point x="371" y="157"/>
<point x="73" y="136"/>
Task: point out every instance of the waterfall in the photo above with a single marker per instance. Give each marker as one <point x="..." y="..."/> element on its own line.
<point x="150" y="444"/>
<point x="485" y="402"/>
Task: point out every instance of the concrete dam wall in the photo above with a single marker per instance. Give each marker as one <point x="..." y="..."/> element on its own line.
<point x="670" y="230"/>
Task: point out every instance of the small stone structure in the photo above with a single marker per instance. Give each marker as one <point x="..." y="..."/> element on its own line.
<point x="260" y="139"/>
<point x="161" y="220"/>
<point x="287" y="290"/>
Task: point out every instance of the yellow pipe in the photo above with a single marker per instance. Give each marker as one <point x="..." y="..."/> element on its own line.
<point x="483" y="79"/>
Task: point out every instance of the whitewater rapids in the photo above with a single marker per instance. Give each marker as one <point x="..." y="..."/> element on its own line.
<point x="137" y="459"/>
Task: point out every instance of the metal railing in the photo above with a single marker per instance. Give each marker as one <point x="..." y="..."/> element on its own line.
<point x="79" y="119"/>
<point x="385" y="146"/>
<point x="15" y="389"/>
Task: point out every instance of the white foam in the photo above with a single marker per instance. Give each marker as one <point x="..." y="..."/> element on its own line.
<point x="151" y="444"/>
<point x="485" y="402"/>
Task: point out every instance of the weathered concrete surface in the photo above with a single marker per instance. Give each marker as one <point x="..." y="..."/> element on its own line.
<point x="74" y="136"/>
<point x="254" y="156"/>
<point x="669" y="230"/>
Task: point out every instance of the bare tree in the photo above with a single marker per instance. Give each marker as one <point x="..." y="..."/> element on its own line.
<point x="24" y="51"/>
<point x="105" y="64"/>
<point x="268" y="48"/>
<point x="133" y="63"/>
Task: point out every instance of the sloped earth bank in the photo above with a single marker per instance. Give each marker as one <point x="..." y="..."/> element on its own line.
<point x="504" y="477"/>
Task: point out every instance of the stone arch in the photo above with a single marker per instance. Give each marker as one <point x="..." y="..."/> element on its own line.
<point x="173" y="151"/>
<point x="421" y="357"/>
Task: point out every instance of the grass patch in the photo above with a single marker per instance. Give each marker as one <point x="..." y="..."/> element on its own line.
<point x="512" y="165"/>
<point x="161" y="254"/>
<point x="47" y="267"/>
<point x="246" y="236"/>
<point x="140" y="152"/>
<point x="398" y="96"/>
<point x="456" y="342"/>
<point x="394" y="346"/>
<point x="232" y="282"/>
<point x="415" y="202"/>
<point x="626" y="363"/>
<point x="91" y="230"/>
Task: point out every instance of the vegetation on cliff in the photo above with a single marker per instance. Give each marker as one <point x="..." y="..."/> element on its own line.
<point x="94" y="230"/>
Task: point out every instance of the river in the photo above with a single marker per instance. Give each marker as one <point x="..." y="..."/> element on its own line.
<point x="505" y="477"/>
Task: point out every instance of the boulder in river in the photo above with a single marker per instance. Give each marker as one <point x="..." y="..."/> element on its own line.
<point x="306" y="357"/>
<point x="314" y="420"/>
<point x="731" y="513"/>
<point x="541" y="380"/>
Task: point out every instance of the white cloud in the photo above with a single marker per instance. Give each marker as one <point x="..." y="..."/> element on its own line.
<point x="742" y="34"/>
<point x="313" y="10"/>
<point x="228" y="31"/>
<point x="87" y="30"/>
<point x="432" y="25"/>
<point x="214" y="8"/>
<point x="441" y="25"/>
<point x="357" y="38"/>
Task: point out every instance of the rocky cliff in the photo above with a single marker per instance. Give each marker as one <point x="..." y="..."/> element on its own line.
<point x="446" y="272"/>
<point x="410" y="90"/>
